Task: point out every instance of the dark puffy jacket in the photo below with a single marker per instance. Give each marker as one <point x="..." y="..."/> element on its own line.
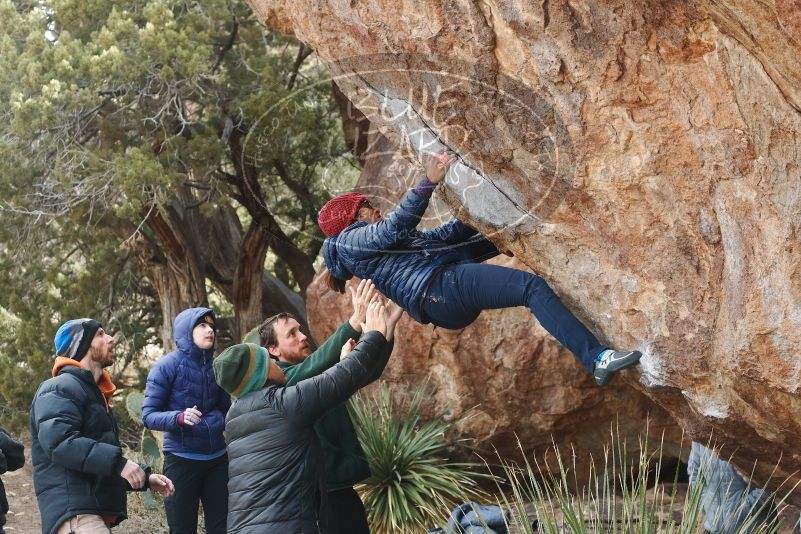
<point x="275" y="470"/>
<point x="75" y="452"/>
<point x="399" y="259"/>
<point x="12" y="457"/>
<point x="345" y="463"/>
<point x="180" y="380"/>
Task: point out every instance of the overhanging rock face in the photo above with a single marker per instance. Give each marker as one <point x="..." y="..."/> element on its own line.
<point x="520" y="387"/>
<point x="643" y="157"/>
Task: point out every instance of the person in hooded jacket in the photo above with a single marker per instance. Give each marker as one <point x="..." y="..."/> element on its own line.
<point x="183" y="400"/>
<point x="437" y="275"/>
<point x="277" y="471"/>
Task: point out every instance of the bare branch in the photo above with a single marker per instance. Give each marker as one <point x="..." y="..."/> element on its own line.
<point x="303" y="52"/>
<point x="228" y="45"/>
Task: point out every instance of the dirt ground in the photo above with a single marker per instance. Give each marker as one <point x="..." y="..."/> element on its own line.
<point x="23" y="515"/>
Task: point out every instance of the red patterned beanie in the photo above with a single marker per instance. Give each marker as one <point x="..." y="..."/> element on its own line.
<point x="338" y="213"/>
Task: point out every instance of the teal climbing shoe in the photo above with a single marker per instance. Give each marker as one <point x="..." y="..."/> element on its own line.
<point x="611" y="361"/>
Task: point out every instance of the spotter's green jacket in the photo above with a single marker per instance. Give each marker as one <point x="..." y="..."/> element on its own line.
<point x="345" y="463"/>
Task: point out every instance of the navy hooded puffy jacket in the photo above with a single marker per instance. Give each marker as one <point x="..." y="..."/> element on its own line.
<point x="398" y="258"/>
<point x="180" y="380"/>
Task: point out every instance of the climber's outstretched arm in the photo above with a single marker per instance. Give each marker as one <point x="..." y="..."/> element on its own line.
<point x="366" y="239"/>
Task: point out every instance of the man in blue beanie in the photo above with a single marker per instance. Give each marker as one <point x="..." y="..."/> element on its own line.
<point x="79" y="473"/>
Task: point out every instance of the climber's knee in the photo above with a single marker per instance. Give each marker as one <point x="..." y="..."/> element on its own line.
<point x="537" y="284"/>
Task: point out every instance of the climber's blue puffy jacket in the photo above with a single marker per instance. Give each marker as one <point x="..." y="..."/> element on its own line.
<point x="180" y="380"/>
<point x="399" y="259"/>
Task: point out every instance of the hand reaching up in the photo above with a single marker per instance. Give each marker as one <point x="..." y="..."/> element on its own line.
<point x="360" y="297"/>
<point x="395" y="312"/>
<point x="437" y="166"/>
<point x="346" y="349"/>
<point x="376" y="319"/>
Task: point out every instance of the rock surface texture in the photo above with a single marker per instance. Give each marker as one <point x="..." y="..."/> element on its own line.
<point x="514" y="378"/>
<point x="642" y="156"/>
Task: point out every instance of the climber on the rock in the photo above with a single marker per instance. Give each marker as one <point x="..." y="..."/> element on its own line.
<point x="436" y="275"/>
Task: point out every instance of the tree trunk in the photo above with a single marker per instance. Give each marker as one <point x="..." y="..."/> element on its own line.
<point x="251" y="197"/>
<point x="177" y="291"/>
<point x="230" y="254"/>
<point x="247" y="281"/>
<point x="355" y="125"/>
<point x="174" y="267"/>
<point x="182" y="247"/>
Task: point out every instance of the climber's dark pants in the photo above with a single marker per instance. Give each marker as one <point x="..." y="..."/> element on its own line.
<point x="458" y="293"/>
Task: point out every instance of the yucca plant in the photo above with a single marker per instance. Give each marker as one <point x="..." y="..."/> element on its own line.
<point x="413" y="484"/>
<point x="616" y="501"/>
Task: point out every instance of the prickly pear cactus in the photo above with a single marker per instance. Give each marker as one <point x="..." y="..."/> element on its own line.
<point x="151" y="450"/>
<point x="148" y="500"/>
<point x="133" y="403"/>
<point x="149" y="445"/>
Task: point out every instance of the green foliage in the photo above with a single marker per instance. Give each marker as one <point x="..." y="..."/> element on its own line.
<point x="149" y="447"/>
<point x="619" y="498"/>
<point x="126" y="103"/>
<point x="116" y="110"/>
<point x="149" y="501"/>
<point x="43" y="288"/>
<point x="413" y="484"/>
<point x="149" y="453"/>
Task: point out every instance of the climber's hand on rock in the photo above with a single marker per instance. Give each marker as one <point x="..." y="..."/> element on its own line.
<point x="437" y="166"/>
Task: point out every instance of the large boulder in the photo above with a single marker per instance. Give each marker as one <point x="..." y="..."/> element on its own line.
<point x="642" y="156"/>
<point x="523" y="392"/>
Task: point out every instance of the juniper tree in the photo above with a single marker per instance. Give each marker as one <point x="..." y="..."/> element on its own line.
<point x="152" y="151"/>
